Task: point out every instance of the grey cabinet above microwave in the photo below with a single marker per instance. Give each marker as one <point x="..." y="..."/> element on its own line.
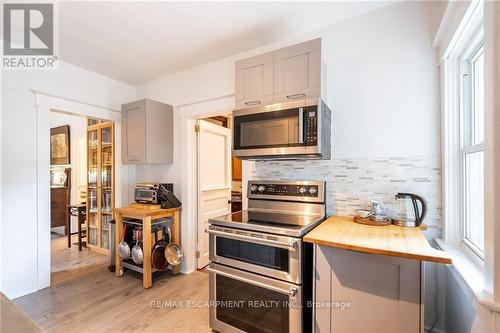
<point x="147" y="132"/>
<point x="291" y="73"/>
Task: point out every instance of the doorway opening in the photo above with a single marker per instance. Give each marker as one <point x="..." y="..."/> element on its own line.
<point x="81" y="194"/>
<point x="219" y="190"/>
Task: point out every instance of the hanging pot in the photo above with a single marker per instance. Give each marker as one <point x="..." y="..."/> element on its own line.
<point x="174" y="254"/>
<point x="158" y="255"/>
<point x="137" y="254"/>
<point x="123" y="247"/>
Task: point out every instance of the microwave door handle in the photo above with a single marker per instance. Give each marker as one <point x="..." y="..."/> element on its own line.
<point x="292" y="291"/>
<point x="301" y="125"/>
<point x="282" y="245"/>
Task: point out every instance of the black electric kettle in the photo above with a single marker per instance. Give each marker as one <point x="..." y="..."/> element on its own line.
<point x="409" y="210"/>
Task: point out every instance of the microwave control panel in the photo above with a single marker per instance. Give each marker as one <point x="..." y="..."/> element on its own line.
<point x="311" y="125"/>
<point x="285" y="190"/>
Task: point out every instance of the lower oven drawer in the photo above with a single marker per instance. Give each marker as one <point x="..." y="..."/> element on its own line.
<point x="275" y="256"/>
<point x="246" y="302"/>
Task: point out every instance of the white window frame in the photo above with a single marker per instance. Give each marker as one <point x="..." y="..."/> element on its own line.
<point x="471" y="50"/>
<point x="470" y="31"/>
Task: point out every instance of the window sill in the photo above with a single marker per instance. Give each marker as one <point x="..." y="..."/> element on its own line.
<point x="471" y="273"/>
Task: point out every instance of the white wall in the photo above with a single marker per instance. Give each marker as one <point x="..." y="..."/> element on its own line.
<point x="382" y="85"/>
<point x="78" y="155"/>
<point x="19" y="158"/>
<point x="382" y="81"/>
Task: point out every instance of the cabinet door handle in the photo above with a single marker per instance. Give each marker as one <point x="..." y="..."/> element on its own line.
<point x="295" y="96"/>
<point x="252" y="103"/>
<point x="133" y="159"/>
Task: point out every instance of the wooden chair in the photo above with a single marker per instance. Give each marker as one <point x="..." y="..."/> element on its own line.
<point x="79" y="211"/>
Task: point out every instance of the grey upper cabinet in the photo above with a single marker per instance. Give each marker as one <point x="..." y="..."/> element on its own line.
<point x="297" y="71"/>
<point x="294" y="72"/>
<point x="147" y="132"/>
<point x="254" y="81"/>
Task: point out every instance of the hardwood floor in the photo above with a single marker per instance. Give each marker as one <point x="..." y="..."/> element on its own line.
<point x="86" y="297"/>
<point x="101" y="302"/>
<point x="69" y="263"/>
<point x="13" y="320"/>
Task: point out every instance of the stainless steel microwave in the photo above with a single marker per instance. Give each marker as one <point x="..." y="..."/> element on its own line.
<point x="291" y="130"/>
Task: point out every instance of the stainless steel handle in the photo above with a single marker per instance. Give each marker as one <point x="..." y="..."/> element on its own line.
<point x="291" y="291"/>
<point x="295" y="96"/>
<point x="252" y="103"/>
<point x="301" y="125"/>
<point x="262" y="241"/>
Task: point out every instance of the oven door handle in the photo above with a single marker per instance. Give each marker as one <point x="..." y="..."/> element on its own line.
<point x="292" y="291"/>
<point x="262" y="241"/>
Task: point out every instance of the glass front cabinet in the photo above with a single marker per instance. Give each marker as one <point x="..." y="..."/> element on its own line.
<point x="100" y="184"/>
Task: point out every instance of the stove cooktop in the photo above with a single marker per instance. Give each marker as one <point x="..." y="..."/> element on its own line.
<point x="288" y="224"/>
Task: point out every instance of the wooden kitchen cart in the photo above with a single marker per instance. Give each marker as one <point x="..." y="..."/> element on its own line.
<point x="147" y="216"/>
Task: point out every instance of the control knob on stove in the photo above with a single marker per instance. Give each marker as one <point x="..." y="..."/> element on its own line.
<point x="302" y="190"/>
<point x="313" y="190"/>
<point x="262" y="188"/>
<point x="253" y="188"/>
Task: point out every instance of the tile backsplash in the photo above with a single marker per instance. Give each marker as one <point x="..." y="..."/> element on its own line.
<point x="352" y="183"/>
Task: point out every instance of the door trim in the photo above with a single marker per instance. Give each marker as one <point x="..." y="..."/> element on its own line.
<point x="187" y="114"/>
<point x="44" y="104"/>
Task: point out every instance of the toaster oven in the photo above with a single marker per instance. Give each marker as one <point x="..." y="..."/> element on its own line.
<point x="150" y="193"/>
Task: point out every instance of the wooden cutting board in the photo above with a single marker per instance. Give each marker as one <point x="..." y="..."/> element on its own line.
<point x="361" y="220"/>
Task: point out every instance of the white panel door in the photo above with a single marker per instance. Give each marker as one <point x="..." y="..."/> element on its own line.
<point x="214" y="180"/>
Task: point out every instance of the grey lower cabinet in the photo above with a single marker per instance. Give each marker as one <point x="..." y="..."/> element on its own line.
<point x="147" y="132"/>
<point x="359" y="292"/>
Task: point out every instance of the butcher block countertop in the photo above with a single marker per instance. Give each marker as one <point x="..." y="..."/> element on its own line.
<point x="341" y="232"/>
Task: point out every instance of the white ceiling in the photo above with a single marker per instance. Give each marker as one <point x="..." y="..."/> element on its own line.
<point x="135" y="42"/>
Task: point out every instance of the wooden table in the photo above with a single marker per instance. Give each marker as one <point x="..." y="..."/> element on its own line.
<point x="390" y="240"/>
<point x="146" y="215"/>
<point x="378" y="270"/>
<point x="80" y="212"/>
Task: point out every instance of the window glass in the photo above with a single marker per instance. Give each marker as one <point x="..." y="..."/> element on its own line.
<point x="474" y="199"/>
<point x="478" y="90"/>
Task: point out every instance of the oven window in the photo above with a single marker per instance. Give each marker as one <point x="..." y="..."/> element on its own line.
<point x="251" y="308"/>
<point x="268" y="130"/>
<point x="262" y="255"/>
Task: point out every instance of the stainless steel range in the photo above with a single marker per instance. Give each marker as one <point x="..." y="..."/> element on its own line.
<point x="261" y="270"/>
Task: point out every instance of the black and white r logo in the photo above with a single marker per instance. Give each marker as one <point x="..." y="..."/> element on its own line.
<point x="28" y="29"/>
